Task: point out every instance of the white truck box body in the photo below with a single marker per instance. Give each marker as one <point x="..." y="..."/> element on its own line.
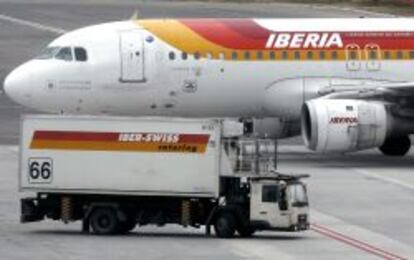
<point x="113" y="155"/>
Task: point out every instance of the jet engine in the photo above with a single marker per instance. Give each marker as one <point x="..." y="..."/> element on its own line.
<point x="332" y="125"/>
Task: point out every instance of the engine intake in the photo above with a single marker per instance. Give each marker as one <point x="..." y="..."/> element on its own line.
<point x="332" y="125"/>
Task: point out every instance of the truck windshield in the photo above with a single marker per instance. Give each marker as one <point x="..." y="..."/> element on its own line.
<point x="298" y="195"/>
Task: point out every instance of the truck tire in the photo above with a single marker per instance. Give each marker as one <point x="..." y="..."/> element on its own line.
<point x="104" y="221"/>
<point x="225" y="225"/>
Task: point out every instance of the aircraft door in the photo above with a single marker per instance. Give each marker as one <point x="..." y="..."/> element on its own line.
<point x="372" y="54"/>
<point x="132" y="56"/>
<point x="353" y="57"/>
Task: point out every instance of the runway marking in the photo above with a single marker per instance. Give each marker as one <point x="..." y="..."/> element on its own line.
<point x="35" y="25"/>
<point x="356" y="243"/>
<point x="382" y="178"/>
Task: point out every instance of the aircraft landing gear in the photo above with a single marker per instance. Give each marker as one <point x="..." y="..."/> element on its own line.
<point x="396" y="146"/>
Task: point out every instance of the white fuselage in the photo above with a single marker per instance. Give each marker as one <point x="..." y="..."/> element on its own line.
<point x="129" y="69"/>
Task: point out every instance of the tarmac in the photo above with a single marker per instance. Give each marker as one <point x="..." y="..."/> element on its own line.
<point x="362" y="203"/>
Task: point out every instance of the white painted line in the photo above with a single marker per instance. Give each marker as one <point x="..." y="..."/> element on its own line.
<point x="35" y="25"/>
<point x="386" y="179"/>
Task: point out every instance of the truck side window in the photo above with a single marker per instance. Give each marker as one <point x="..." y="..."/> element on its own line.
<point x="270" y="193"/>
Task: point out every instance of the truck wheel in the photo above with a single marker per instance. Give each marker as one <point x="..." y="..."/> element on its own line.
<point x="246" y="231"/>
<point x="225" y="225"/>
<point x="104" y="221"/>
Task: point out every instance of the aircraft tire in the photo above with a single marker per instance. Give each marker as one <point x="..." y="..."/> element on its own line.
<point x="396" y="146"/>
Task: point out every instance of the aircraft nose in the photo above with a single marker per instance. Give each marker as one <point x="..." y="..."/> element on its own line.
<point x="15" y="86"/>
<point x="7" y="85"/>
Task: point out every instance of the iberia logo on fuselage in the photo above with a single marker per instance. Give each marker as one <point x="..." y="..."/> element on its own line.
<point x="121" y="141"/>
<point x="304" y="40"/>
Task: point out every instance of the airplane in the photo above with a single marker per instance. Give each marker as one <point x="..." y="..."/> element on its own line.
<point x="343" y="84"/>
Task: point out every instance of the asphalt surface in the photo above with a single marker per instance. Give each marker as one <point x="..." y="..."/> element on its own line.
<point x="362" y="204"/>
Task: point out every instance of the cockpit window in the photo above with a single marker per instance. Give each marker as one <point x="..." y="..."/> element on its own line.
<point x="48" y="53"/>
<point x="65" y="54"/>
<point x="80" y="54"/>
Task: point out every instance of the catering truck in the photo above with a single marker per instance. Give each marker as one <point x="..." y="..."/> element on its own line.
<point x="114" y="173"/>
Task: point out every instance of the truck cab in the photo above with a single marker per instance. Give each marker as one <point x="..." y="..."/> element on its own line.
<point x="279" y="204"/>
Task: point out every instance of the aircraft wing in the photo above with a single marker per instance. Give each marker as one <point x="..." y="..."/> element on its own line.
<point x="370" y="91"/>
<point x="397" y="94"/>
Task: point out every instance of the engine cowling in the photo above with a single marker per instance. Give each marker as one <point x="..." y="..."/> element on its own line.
<point x="332" y="125"/>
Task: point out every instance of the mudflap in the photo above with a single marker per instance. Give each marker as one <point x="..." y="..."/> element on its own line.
<point x="30" y="210"/>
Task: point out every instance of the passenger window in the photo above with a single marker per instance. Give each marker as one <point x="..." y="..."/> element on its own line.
<point x="171" y="55"/>
<point x="247" y="55"/>
<point x="297" y="55"/>
<point x="64" y="54"/>
<point x="411" y="54"/>
<point x="259" y="55"/>
<point x="322" y="55"/>
<point x="309" y="55"/>
<point x="234" y="56"/>
<point x="270" y="193"/>
<point x="80" y="54"/>
<point x="334" y="55"/>
<point x="387" y="55"/>
<point x="272" y="55"/>
<point x="196" y="55"/>
<point x="284" y="55"/>
<point x="400" y="55"/>
<point x="352" y="55"/>
<point x="184" y="55"/>
<point x="373" y="55"/>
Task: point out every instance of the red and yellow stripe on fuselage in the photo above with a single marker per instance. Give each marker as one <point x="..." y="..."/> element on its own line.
<point x="237" y="39"/>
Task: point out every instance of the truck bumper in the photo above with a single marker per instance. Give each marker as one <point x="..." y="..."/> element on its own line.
<point x="30" y="210"/>
<point x="303" y="223"/>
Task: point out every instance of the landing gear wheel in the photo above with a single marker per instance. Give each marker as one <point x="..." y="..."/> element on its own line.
<point x="104" y="221"/>
<point x="246" y="231"/>
<point x="225" y="225"/>
<point x="396" y="146"/>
